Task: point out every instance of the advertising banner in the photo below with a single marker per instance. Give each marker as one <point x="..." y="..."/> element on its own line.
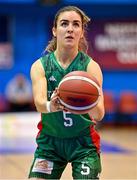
<point x="113" y="44"/>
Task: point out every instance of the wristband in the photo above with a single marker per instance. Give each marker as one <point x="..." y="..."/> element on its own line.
<point x="48" y="106"/>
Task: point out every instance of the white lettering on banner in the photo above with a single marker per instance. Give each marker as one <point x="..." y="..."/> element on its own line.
<point x="127" y="57"/>
<point x="105" y="43"/>
<point x="117" y="29"/>
<point x="121" y="38"/>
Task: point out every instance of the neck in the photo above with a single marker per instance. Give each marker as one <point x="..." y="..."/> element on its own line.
<point x="65" y="58"/>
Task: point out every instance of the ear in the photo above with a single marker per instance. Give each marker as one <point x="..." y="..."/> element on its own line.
<point x="54" y="31"/>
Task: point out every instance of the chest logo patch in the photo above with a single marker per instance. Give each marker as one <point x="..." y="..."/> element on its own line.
<point x="52" y="78"/>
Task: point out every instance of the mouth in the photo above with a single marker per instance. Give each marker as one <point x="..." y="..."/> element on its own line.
<point x="69" y="37"/>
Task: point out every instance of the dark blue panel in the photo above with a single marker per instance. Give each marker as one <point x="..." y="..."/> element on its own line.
<point x="17" y="1"/>
<point x="101" y="1"/>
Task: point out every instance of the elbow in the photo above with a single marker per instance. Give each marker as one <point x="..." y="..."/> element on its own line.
<point x="100" y="110"/>
<point x="98" y="113"/>
<point x="37" y="106"/>
<point x="40" y="107"/>
<point x="101" y="114"/>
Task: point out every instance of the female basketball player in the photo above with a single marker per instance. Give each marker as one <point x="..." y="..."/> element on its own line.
<point x="63" y="136"/>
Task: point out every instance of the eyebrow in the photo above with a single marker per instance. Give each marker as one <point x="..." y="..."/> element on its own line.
<point x="68" y="20"/>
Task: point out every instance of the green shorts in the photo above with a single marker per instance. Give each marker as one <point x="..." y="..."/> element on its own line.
<point x="53" y="154"/>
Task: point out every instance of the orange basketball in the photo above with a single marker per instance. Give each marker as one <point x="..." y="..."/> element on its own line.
<point x="79" y="91"/>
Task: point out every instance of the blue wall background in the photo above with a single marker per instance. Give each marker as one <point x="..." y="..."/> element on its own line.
<point x="30" y="31"/>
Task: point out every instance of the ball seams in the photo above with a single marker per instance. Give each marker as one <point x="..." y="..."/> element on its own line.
<point x="75" y="92"/>
<point x="80" y="78"/>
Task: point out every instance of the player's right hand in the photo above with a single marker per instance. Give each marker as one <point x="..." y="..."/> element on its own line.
<point x="55" y="104"/>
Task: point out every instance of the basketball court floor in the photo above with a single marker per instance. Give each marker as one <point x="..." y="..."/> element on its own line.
<point x="17" y="145"/>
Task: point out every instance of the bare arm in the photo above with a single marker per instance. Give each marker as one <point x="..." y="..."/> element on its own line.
<point x="98" y="111"/>
<point x="39" y="86"/>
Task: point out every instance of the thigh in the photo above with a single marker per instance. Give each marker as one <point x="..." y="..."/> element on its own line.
<point x="88" y="167"/>
<point x="46" y="169"/>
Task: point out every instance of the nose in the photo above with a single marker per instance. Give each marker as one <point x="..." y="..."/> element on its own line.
<point x="70" y="28"/>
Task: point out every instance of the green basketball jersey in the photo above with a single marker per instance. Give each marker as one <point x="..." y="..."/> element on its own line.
<point x="63" y="124"/>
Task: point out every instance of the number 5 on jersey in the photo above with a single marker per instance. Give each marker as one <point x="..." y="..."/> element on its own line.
<point x="68" y="121"/>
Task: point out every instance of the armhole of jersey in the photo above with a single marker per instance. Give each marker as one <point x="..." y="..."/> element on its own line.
<point x="89" y="60"/>
<point x="41" y="60"/>
<point x="43" y="65"/>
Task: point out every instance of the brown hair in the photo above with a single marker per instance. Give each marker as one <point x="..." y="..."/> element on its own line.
<point x="83" y="44"/>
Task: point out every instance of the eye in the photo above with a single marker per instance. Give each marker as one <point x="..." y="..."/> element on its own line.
<point x="76" y="24"/>
<point x="64" y="24"/>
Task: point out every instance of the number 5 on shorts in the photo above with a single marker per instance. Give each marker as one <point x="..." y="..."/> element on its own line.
<point x="85" y="169"/>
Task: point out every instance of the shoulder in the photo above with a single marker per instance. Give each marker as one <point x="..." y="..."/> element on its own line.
<point x="46" y="57"/>
<point x="37" y="68"/>
<point x="95" y="70"/>
<point x="36" y="65"/>
<point x="94" y="64"/>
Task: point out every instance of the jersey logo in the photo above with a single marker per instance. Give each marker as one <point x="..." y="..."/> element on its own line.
<point x="43" y="166"/>
<point x="52" y="78"/>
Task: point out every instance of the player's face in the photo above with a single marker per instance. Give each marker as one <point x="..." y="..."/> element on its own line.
<point x="69" y="29"/>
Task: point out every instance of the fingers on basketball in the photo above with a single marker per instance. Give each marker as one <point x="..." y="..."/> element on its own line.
<point x="79" y="92"/>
